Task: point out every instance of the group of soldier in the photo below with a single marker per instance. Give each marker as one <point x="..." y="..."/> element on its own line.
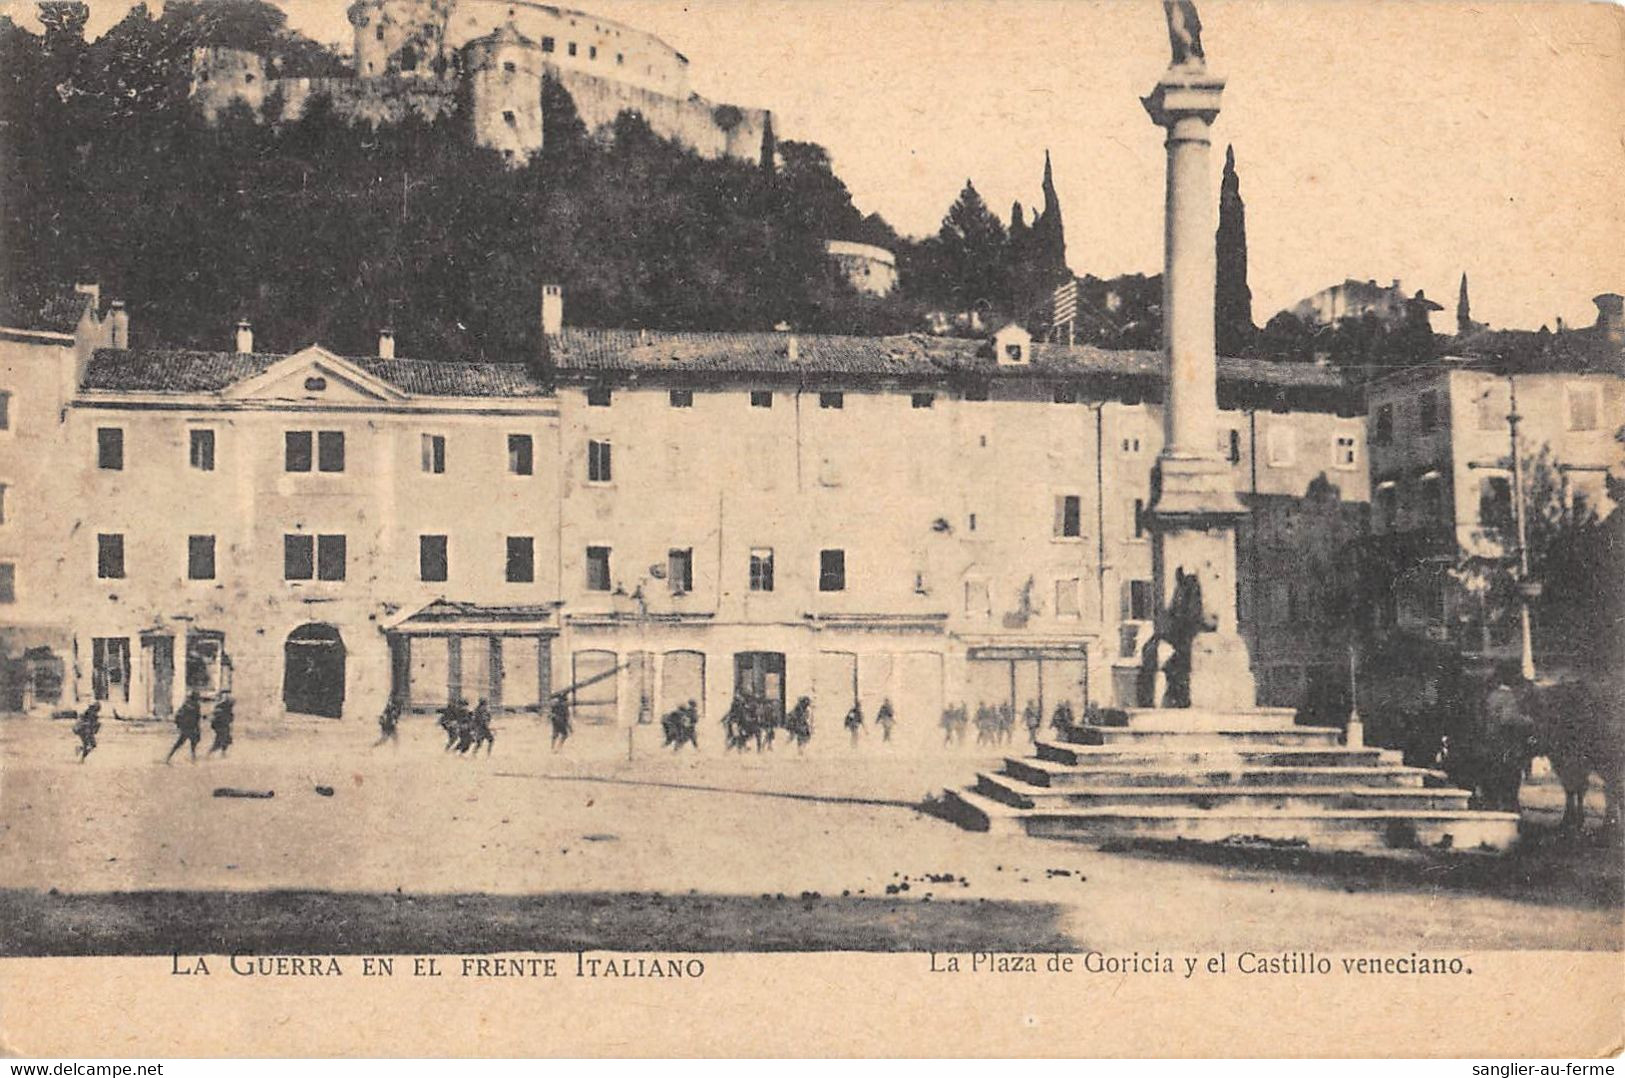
<point x="465" y="730"/>
<point x="188" y="726"/>
<point x="996" y="723"/>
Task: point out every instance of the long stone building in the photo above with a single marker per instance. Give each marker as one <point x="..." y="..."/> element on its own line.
<point x="646" y="518"/>
<point x="419" y="56"/>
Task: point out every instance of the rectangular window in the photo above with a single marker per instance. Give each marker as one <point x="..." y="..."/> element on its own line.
<point x="1348" y="454"/>
<point x="598" y="568"/>
<point x="832" y="400"/>
<point x="330" y="451"/>
<point x="508" y="118"/>
<point x="521" y="455"/>
<point x="1068" y="516"/>
<point x="8" y="582"/>
<point x="680" y="570"/>
<point x="547" y="43"/>
<point x="110" y="557"/>
<point x="296" y="451"/>
<point x="432" y="562"/>
<point x="978" y="598"/>
<point x="572" y="48"/>
<point x="1432" y="498"/>
<point x="1427" y="412"/>
<point x="1495" y="501"/>
<point x="1388" y="506"/>
<point x="832" y="570"/>
<point x="1382" y="429"/>
<point x="922" y="400"/>
<point x="200" y="453"/>
<point x="1138" y="518"/>
<point x="1066" y="598"/>
<point x="1066" y="395"/>
<point x="3" y="489"/>
<point x="200" y="557"/>
<point x="598" y="462"/>
<point x="5" y="411"/>
<point x="1582" y="407"/>
<point x="1142" y="600"/>
<point x="434" y="454"/>
<point x="110" y="449"/>
<point x="1283" y="445"/>
<point x="1230" y="444"/>
<point x="682" y="398"/>
<point x="521" y="561"/>
<point x="1131" y="445"/>
<point x="298" y="557"/>
<point x="761" y="398"/>
<point x="330" y="557"/>
<point x="599" y="396"/>
<point x="761" y="569"/>
<point x="976" y="391"/>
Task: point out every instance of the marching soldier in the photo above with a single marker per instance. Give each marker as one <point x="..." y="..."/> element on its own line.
<point x="389" y="724"/>
<point x="479" y="728"/>
<point x="451" y="721"/>
<point x="189" y="724"/>
<point x="220" y="722"/>
<point x="86" y="728"/>
<point x="559" y="716"/>
<point x="885" y="719"/>
<point x="854" y="722"/>
<point x="1033" y="717"/>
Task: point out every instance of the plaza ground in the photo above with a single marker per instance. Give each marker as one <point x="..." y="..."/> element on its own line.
<point x="417" y="851"/>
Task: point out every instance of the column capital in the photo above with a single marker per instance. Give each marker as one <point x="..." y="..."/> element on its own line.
<point x="1184" y="93"/>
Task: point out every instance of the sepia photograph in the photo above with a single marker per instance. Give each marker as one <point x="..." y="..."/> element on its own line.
<point x="923" y="520"/>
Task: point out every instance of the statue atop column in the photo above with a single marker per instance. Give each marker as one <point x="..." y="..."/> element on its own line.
<point x="1184" y="33"/>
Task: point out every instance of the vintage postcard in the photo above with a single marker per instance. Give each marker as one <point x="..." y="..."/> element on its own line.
<point x="739" y="528"/>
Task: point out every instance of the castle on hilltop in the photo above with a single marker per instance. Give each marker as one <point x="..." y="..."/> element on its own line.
<point x="416" y="56"/>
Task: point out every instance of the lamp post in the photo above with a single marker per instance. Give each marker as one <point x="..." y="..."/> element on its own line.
<point x="1528" y="590"/>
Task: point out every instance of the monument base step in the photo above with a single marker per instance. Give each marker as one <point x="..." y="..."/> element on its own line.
<point x="1340" y="829"/>
<point x="1012" y="791"/>
<point x="1206" y="771"/>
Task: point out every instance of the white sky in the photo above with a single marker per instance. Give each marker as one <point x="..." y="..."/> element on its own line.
<point x="1375" y="138"/>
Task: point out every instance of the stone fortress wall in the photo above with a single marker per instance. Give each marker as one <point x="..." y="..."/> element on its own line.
<point x="413" y="56"/>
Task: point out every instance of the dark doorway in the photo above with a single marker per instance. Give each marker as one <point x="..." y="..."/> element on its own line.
<point x="313" y="671"/>
<point x="760" y="674"/>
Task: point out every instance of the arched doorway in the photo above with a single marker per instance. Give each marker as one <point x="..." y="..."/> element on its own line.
<point x="313" y="671"/>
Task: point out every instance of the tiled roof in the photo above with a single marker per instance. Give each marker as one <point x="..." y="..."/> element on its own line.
<point x="580" y="353"/>
<point x="174" y="371"/>
<point x="50" y="309"/>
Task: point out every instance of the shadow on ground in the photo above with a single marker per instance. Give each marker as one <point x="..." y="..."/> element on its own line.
<point x="1545" y="868"/>
<point x="47" y="923"/>
<point x="671" y="784"/>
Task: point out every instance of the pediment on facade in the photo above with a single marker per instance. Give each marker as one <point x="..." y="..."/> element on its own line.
<point x="317" y="375"/>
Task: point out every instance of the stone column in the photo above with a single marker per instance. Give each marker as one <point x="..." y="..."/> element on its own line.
<point x="1195" y="510"/>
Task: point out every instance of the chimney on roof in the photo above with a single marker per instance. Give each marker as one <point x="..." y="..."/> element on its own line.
<point x="552" y="310"/>
<point x="118" y="325"/>
<point x="792" y="348"/>
<point x="386" y="343"/>
<point x="245" y="337"/>
<point x="1611" y="317"/>
<point x="91" y="289"/>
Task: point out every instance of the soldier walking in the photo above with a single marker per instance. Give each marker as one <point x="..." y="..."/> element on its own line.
<point x="220" y="722"/>
<point x="854" y="722"/>
<point x="86" y="728"/>
<point x="389" y="724"/>
<point x="1033" y="717"/>
<point x="451" y="721"/>
<point x="559" y="715"/>
<point x="189" y="723"/>
<point x="885" y="719"/>
<point x="479" y="728"/>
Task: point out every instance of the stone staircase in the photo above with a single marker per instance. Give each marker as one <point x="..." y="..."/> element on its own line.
<point x="1213" y="776"/>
